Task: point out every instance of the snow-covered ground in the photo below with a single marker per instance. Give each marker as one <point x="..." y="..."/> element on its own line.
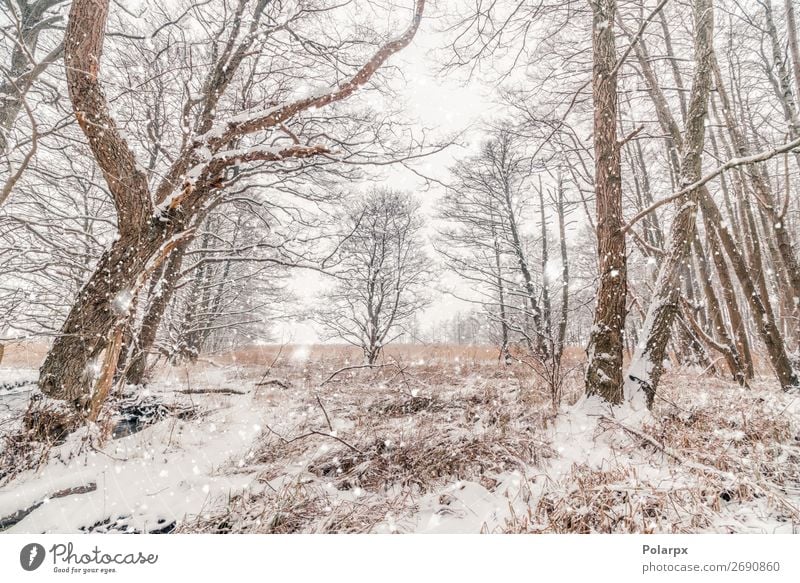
<point x="430" y="446"/>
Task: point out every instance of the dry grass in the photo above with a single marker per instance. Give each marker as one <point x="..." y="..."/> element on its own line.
<point x="724" y="453"/>
<point x="337" y="354"/>
<point x="24" y="355"/>
<point x="298" y="507"/>
<point x="402" y="435"/>
<point x="18" y="453"/>
<point x="723" y="460"/>
<point x="360" y="450"/>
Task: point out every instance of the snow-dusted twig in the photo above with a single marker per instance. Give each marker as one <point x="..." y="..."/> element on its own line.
<point x="324" y="412"/>
<point x="212" y="391"/>
<point x="732" y="163"/>
<point x="356" y="367"/>
<point x="309" y="434"/>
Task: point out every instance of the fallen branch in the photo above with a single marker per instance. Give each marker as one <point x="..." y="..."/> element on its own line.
<point x="356" y="367"/>
<point x="15" y="518"/>
<point x="211" y="391"/>
<point x="277" y="382"/>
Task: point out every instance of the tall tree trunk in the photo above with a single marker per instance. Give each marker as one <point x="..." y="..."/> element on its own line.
<point x="562" y="323"/>
<point x="767" y="329"/>
<point x="505" y="356"/>
<point x="783" y="83"/>
<point x="66" y="372"/>
<point x="647" y="364"/>
<point x="719" y="329"/>
<point x="527" y="278"/>
<point x="729" y="295"/>
<point x="546" y="307"/>
<point x="794" y="44"/>
<point x="606" y="341"/>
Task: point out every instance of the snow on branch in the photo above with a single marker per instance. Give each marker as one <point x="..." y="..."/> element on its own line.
<point x="732" y="163"/>
<point x="252" y="122"/>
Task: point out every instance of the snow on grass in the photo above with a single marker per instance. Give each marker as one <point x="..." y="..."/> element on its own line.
<point x="144" y="481"/>
<point x="435" y="449"/>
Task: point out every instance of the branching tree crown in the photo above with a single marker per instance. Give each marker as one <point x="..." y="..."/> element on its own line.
<point x="383" y="275"/>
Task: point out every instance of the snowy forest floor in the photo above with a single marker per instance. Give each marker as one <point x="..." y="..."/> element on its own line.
<point x="447" y="440"/>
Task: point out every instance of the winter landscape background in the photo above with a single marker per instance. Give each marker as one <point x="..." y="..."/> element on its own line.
<point x="380" y="266"/>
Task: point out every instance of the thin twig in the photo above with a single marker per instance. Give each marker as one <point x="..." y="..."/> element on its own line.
<point x="309" y="434"/>
<point x="324" y="412"/>
<point x="355" y="367"/>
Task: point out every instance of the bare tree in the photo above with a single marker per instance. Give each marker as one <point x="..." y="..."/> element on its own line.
<point x="647" y="365"/>
<point x="484" y="242"/>
<point x="154" y="222"/>
<point x="382" y="274"/>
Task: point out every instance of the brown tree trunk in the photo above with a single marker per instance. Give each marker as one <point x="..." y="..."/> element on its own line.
<point x="530" y="288"/>
<point x="647" y="363"/>
<point x="505" y="355"/>
<point x="606" y="341"/>
<point x="719" y="329"/>
<point x="546" y="307"/>
<point x="164" y="289"/>
<point x="67" y="369"/>
<point x="562" y="323"/>
<point x="770" y="335"/>
<point x="729" y="295"/>
<point x="66" y="372"/>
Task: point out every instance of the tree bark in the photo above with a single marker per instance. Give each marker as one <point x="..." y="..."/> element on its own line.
<point x="546" y="307"/>
<point x="768" y="331"/>
<point x="67" y="370"/>
<point x="647" y="364"/>
<point x="606" y="341"/>
<point x="719" y="329"/>
<point x="562" y="323"/>
<point x="163" y="290"/>
<point x="504" y="356"/>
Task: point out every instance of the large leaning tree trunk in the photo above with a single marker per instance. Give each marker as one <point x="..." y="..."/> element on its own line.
<point x="605" y="349"/>
<point x="152" y="225"/>
<point x="647" y="364"/>
<point x="66" y="372"/>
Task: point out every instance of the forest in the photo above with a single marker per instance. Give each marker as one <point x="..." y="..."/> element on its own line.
<point x="399" y="266"/>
